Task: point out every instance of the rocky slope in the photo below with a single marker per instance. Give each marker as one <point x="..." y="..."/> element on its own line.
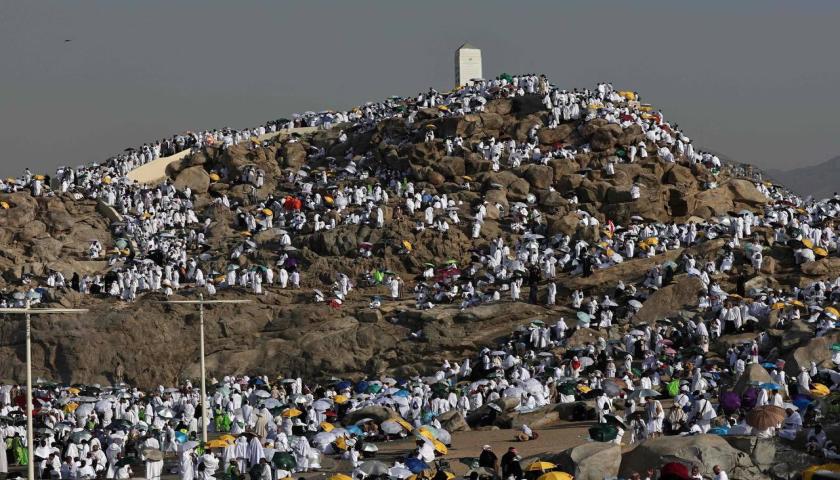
<point x="283" y="331"/>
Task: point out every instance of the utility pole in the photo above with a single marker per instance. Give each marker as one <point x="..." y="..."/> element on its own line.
<point x="201" y="302"/>
<point x="27" y="311"/>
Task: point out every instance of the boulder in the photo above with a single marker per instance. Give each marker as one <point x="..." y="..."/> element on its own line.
<point x="753" y="373"/>
<point x="194" y="177"/>
<point x="596" y="460"/>
<point x="379" y="414"/>
<point x="453" y="421"/>
<point x="294" y="155"/>
<point x="669" y="299"/>
<point x="704" y="451"/>
<point x="551" y="136"/>
<point x="743" y="191"/>
<point x="816" y="350"/>
<point x="539" y="176"/>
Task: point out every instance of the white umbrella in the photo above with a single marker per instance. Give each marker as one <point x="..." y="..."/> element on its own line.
<point x="322" y="405"/>
<point x="165" y="413"/>
<point x="84" y="410"/>
<point x="399" y="473"/>
<point x="512" y="392"/>
<point x="391" y="427"/>
<point x="188" y="445"/>
<point x="262" y="394"/>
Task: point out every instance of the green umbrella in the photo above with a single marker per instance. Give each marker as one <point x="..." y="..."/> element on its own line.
<point x="568" y="388"/>
<point x="284" y="460"/>
<point x="836" y="347"/>
<point x="603" y="432"/>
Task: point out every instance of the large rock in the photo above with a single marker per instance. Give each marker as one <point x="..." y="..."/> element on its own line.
<point x="817" y="350"/>
<point x="453" y="421"/>
<point x="551" y="136"/>
<point x="666" y="301"/>
<point x="596" y="461"/>
<point x="379" y="414"/>
<point x="539" y="176"/>
<point x="704" y="451"/>
<point x="752" y="374"/>
<point x="194" y="177"/>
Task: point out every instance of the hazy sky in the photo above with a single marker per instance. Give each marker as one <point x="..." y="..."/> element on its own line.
<point x="754" y="79"/>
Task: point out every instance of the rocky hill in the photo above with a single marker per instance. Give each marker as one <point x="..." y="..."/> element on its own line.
<point x="283" y="330"/>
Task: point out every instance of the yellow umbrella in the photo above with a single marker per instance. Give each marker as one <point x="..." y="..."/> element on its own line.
<point x="340" y="399"/>
<point x="217" y="444"/>
<point x="71" y="407"/>
<point x="778" y="306"/>
<point x="440" y="447"/>
<point x="327" y="426"/>
<point x="403" y="423"/>
<point x="214" y="177"/>
<point x="41" y="177"/>
<point x="291" y="412"/>
<point x="540" y="466"/>
<point x="340" y="476"/>
<point x="73" y="391"/>
<point x="11" y="180"/>
<point x="652" y="241"/>
<point x="820" y="390"/>
<point x="820" y="252"/>
<point x="555" y="476"/>
<point x="106" y="180"/>
<point x="425" y="433"/>
<point x="443" y="108"/>
<point x="467" y="178"/>
<point x="227" y="438"/>
<point x="328" y="199"/>
<point x="407" y="245"/>
<point x="809" y="472"/>
<point x="808" y="243"/>
<point x="798" y="303"/>
<point x="341" y="443"/>
<point x="5" y="205"/>
<point x="267" y="211"/>
<point x="832" y="311"/>
<point x="583" y="389"/>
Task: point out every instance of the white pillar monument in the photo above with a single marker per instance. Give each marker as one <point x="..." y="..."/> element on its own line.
<point x="467" y="64"/>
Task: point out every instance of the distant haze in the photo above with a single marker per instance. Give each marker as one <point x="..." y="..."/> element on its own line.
<point x="755" y="80"/>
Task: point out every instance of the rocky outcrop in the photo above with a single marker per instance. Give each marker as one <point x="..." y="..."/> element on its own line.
<point x="703" y="451"/>
<point x="668" y="300"/>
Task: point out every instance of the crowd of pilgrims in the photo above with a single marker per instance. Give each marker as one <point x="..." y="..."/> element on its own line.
<point x="161" y="248"/>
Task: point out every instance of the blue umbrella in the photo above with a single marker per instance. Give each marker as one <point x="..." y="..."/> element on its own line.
<point x="802" y="401"/>
<point x="361" y="387"/>
<point x="180" y="437"/>
<point x="402" y="393"/>
<point x="343" y="385"/>
<point x="768" y="365"/>
<point x="354" y="429"/>
<point x="416" y="465"/>
<point x="770" y="386"/>
<point x="719" y="431"/>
